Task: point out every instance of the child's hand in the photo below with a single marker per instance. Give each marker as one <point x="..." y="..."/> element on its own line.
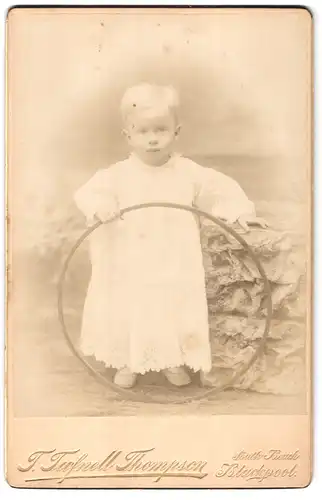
<point x="248" y="220"/>
<point x="106" y="215"/>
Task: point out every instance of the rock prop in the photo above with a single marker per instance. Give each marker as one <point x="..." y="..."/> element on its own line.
<point x="237" y="309"/>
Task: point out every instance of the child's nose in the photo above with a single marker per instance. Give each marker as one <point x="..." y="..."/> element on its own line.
<point x="153" y="140"/>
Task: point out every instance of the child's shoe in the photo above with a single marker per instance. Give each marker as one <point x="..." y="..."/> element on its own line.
<point x="125" y="378"/>
<point x="177" y="376"/>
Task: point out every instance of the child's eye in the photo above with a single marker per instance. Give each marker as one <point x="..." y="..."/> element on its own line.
<point x="143" y="131"/>
<point x="161" y="129"/>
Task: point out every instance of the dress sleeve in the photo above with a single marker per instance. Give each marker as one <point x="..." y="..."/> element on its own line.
<point x="98" y="193"/>
<point x="220" y="195"/>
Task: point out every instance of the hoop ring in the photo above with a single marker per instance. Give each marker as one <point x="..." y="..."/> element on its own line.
<point x="133" y="395"/>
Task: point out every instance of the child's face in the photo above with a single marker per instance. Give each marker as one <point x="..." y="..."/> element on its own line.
<point x="151" y="135"/>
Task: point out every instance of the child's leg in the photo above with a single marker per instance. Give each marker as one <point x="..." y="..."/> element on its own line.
<point x="177" y="376"/>
<point x="125" y="378"/>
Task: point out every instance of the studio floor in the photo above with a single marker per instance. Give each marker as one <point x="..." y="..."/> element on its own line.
<point x="49" y="381"/>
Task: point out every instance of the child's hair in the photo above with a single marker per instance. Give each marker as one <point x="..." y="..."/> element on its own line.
<point x="148" y="96"/>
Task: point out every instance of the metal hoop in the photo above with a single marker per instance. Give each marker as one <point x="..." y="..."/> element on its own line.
<point x="130" y="394"/>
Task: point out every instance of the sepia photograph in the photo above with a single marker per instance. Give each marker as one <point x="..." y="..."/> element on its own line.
<point x="159" y="242"/>
<point x="159" y="197"/>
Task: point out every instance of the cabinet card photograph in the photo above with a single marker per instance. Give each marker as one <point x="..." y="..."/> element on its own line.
<point x="159" y="247"/>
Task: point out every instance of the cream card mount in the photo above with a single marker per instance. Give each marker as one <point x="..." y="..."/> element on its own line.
<point x="159" y="247"/>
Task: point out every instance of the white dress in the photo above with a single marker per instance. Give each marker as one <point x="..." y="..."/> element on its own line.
<point x="146" y="304"/>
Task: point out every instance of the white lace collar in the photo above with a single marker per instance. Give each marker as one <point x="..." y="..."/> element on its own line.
<point x="170" y="163"/>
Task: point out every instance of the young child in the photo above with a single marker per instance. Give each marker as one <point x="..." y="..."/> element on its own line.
<point x="146" y="306"/>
